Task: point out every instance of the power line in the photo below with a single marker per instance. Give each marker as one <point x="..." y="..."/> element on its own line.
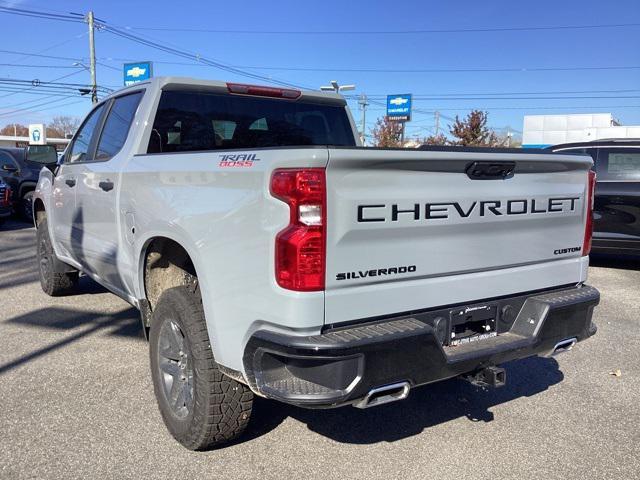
<point x="443" y="70"/>
<point x="581" y="97"/>
<point x="57" y="57"/>
<point x="35" y="66"/>
<point x="524" y="108"/>
<point x="47" y="108"/>
<point x="390" y="32"/>
<point x="52" y="84"/>
<point x="56" y="45"/>
<point x="19" y="110"/>
<point x="192" y="56"/>
<point x="41" y="14"/>
<point x="418" y="95"/>
<point x="35" y="86"/>
<point x="401" y="70"/>
<point x="78" y="18"/>
<point x="150" y="43"/>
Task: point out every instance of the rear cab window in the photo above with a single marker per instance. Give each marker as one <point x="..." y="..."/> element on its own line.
<point x="618" y="164"/>
<point x="201" y="121"/>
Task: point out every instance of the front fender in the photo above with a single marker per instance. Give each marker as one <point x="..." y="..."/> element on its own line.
<point x="43" y="192"/>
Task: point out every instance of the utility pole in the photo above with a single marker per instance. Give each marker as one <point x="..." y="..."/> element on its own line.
<point x="437" y="115"/>
<point x="363" y="104"/>
<point x="92" y="58"/>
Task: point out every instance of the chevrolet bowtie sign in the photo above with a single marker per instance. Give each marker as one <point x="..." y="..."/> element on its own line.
<point x="137" y="72"/>
<point x="399" y="107"/>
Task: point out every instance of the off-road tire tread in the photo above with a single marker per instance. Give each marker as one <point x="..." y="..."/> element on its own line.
<point x="222" y="406"/>
<point x="57" y="284"/>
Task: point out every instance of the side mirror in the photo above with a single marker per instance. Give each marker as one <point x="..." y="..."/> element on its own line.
<point x="45" y="155"/>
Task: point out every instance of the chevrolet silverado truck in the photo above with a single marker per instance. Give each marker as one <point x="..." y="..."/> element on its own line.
<point x="270" y="254"/>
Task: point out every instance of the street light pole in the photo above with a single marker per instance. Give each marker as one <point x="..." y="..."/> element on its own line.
<point x="336" y="88"/>
<point x="92" y="58"/>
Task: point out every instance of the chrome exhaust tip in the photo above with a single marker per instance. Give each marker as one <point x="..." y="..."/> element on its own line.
<point x="563" y="346"/>
<point x="385" y="394"/>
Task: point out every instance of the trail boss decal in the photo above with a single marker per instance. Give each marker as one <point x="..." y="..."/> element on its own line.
<point x="444" y="210"/>
<point x="239" y="160"/>
<point x="377" y="272"/>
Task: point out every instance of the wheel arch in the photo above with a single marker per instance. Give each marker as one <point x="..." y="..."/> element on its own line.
<point x="26" y="187"/>
<point x="164" y="262"/>
<point x="39" y="211"/>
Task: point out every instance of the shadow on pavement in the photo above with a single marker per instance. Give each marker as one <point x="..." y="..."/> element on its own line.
<point x="125" y="323"/>
<point x="425" y="407"/>
<point x="14" y="224"/>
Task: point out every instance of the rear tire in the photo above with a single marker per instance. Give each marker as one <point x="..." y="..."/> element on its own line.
<point x="200" y="406"/>
<point x="53" y="283"/>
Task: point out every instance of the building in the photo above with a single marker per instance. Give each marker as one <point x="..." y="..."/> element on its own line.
<point x="541" y="131"/>
<point x="17" y="141"/>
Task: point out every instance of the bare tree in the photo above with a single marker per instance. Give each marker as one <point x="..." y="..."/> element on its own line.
<point x="62" y="125"/>
<point x="15" y="129"/>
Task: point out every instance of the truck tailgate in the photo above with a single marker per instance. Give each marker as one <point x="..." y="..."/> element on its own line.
<point x="409" y="230"/>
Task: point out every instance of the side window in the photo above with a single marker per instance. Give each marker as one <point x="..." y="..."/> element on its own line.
<point x="116" y="127"/>
<point x="619" y="164"/>
<point x="7" y="163"/>
<point x="80" y="148"/>
<point x="593" y="152"/>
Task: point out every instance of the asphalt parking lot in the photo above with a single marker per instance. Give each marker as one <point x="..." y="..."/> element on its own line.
<point x="77" y="402"/>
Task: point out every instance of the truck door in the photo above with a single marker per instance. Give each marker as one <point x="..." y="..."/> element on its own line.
<point x="97" y="193"/>
<point x="66" y="220"/>
<point x="617" y="199"/>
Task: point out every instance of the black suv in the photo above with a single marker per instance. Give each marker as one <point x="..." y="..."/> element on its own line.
<point x="616" y="227"/>
<point x="20" y="169"/>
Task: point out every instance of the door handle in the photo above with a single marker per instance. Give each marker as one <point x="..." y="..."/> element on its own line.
<point x="71" y="182"/>
<point x="106" y="186"/>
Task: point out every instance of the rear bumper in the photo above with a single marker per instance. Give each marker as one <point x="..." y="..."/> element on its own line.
<point x="341" y="366"/>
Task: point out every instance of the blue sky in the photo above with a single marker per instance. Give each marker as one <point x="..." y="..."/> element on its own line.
<point x="266" y="53"/>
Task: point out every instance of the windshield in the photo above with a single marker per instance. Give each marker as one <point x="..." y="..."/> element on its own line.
<point x="618" y="164"/>
<point x="42" y="154"/>
<point x="196" y="121"/>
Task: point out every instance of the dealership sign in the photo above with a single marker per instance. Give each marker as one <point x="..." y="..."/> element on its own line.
<point x="37" y="134"/>
<point x="137" y="72"/>
<point x="399" y="107"/>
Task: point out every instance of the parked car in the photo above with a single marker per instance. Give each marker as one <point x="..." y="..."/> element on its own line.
<point x="617" y="197"/>
<point x="19" y="168"/>
<point x="269" y="254"/>
<point x="5" y="201"/>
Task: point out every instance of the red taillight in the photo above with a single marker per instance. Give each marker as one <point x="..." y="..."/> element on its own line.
<point x="6" y="198"/>
<point x="588" y="231"/>
<point x="260" y="91"/>
<point x="300" y="247"/>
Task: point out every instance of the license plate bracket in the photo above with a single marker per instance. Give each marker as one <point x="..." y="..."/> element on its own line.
<point x="472" y="323"/>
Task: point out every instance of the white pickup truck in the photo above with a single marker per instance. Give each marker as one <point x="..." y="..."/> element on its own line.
<point x="270" y="254"/>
